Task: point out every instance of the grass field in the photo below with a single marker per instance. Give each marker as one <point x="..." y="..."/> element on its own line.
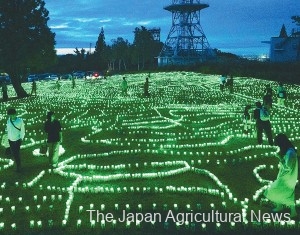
<point x="170" y="162"/>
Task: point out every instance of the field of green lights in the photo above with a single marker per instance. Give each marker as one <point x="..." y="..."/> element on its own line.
<point x="181" y="150"/>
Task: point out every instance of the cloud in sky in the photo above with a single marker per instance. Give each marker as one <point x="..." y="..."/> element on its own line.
<point x="60" y="26"/>
<point x="227" y="24"/>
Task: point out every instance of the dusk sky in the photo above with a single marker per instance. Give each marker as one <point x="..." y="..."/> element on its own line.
<point x="236" y="26"/>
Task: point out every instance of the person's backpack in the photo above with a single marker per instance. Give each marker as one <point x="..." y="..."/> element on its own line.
<point x="264" y="114"/>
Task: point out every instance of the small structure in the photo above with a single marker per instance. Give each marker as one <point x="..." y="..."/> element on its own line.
<point x="155" y="33"/>
<point x="285" y="48"/>
<point x="186" y="42"/>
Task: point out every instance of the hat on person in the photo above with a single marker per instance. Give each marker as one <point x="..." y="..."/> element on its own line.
<point x="258" y="104"/>
<point x="49" y="114"/>
<point x="11" y="111"/>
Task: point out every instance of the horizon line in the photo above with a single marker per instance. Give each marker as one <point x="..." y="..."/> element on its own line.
<point x="69" y="50"/>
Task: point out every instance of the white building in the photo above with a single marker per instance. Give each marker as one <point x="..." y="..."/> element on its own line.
<point x="285" y="48"/>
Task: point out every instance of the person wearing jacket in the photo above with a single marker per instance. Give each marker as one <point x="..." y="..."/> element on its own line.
<point x="262" y="119"/>
<point x="282" y="190"/>
<point x="54" y="138"/>
<point x="15" y="133"/>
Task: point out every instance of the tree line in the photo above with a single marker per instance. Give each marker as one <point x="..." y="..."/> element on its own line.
<point x="119" y="55"/>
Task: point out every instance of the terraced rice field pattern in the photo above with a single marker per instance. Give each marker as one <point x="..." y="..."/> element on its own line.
<point x="176" y="162"/>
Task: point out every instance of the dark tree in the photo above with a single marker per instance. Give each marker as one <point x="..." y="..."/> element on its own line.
<point x="120" y="51"/>
<point x="66" y="63"/>
<point x="143" y="40"/>
<point x="100" y="44"/>
<point x="100" y="49"/>
<point x="26" y="42"/>
<point x="80" y="58"/>
<point x="295" y="32"/>
<point x="145" y="47"/>
<point x="296" y="19"/>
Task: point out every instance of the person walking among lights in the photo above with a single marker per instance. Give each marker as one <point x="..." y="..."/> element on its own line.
<point x="247" y="120"/>
<point x="281" y="94"/>
<point x="4" y="91"/>
<point x="53" y="129"/>
<point x="282" y="190"/>
<point x="33" y="88"/>
<point x="146" y="87"/>
<point x="15" y="133"/>
<point x="124" y="86"/>
<point x="268" y="97"/>
<point x="262" y="117"/>
<point x="57" y="85"/>
<point x="229" y="83"/>
<point x="73" y="82"/>
<point x="223" y="79"/>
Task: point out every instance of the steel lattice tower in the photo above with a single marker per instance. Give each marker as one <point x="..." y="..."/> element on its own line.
<point x="186" y="42"/>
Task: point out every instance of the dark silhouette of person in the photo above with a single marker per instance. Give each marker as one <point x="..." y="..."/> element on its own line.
<point x="73" y="82"/>
<point x="230" y="84"/>
<point x="281" y="94"/>
<point x="4" y="91"/>
<point x="268" y="97"/>
<point x="33" y="88"/>
<point x="262" y="118"/>
<point x="146" y="87"/>
<point x="223" y="80"/>
<point x="247" y="119"/>
<point x="53" y="129"/>
<point x="124" y="86"/>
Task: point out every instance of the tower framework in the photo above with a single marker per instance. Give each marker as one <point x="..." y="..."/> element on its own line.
<point x="186" y="42"/>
